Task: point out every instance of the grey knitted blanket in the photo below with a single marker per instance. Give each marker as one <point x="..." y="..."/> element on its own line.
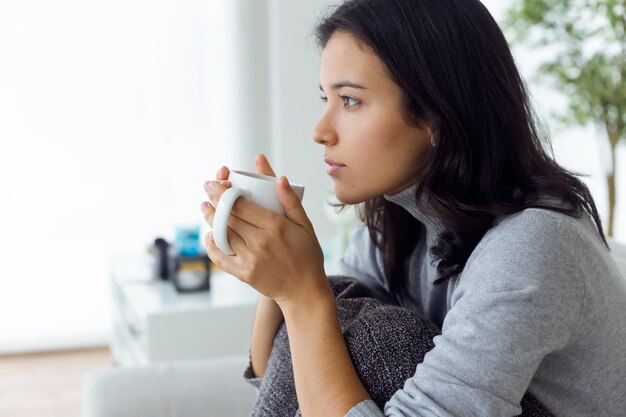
<point x="386" y="343"/>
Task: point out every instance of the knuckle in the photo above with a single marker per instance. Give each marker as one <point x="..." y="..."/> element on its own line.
<point x="246" y="275"/>
<point x="253" y="271"/>
<point x="263" y="245"/>
<point x="209" y="212"/>
<point x="280" y="230"/>
<point x="217" y="194"/>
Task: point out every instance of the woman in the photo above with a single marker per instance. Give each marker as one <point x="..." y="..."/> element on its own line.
<point x="467" y="221"/>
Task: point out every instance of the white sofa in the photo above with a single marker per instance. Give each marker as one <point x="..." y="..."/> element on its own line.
<point x="209" y="388"/>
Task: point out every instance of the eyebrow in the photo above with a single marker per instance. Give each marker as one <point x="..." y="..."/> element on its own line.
<point x="341" y="84"/>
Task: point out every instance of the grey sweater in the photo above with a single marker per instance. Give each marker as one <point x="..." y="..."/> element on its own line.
<point x="540" y="305"/>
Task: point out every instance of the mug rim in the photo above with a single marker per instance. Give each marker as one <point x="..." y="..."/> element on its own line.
<point x="262" y="177"/>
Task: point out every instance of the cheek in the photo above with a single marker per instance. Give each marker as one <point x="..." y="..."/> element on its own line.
<point x="384" y="146"/>
<point x="404" y="155"/>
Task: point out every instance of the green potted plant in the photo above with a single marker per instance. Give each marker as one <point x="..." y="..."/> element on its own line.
<point x="587" y="63"/>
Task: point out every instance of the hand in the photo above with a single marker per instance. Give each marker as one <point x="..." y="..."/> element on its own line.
<point x="277" y="255"/>
<point x="262" y="166"/>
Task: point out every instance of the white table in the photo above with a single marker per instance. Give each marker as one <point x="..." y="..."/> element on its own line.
<point x="152" y="322"/>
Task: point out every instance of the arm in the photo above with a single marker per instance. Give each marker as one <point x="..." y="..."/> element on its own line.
<point x="326" y="381"/>
<point x="267" y="320"/>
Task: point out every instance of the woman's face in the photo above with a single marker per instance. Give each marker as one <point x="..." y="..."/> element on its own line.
<point x="370" y="149"/>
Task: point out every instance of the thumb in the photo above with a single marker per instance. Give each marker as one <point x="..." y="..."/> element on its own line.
<point x="291" y="203"/>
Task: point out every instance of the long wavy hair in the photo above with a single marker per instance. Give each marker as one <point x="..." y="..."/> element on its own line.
<point x="457" y="75"/>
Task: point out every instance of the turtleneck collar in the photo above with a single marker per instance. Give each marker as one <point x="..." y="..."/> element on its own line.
<point x="406" y="200"/>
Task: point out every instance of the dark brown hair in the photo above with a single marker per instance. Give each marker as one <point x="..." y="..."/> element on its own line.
<point x="458" y="76"/>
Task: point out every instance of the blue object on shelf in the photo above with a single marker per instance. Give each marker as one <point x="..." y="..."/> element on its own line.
<point x="187" y="240"/>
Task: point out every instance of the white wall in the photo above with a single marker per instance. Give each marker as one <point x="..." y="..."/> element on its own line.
<point x="112" y="115"/>
<point x="295" y="105"/>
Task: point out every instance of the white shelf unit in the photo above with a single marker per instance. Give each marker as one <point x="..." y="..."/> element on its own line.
<point x="152" y="322"/>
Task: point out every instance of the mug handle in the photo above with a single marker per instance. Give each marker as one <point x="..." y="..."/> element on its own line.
<point x="220" y="220"/>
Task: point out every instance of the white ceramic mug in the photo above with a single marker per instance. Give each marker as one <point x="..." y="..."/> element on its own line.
<point x="260" y="189"/>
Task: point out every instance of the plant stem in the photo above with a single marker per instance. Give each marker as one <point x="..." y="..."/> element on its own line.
<point x="613" y="139"/>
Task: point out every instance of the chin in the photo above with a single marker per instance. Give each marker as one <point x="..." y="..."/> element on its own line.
<point x="350" y="198"/>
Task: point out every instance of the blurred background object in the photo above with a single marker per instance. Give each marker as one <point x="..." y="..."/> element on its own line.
<point x="586" y="43"/>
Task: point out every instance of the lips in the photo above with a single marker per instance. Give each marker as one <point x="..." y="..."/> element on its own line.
<point x="331" y="162"/>
<point x="333" y="167"/>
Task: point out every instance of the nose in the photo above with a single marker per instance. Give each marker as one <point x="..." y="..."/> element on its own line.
<point x="323" y="132"/>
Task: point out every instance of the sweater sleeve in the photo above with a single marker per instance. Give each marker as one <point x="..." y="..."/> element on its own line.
<point x="518" y="299"/>
<point x="250" y="377"/>
<point x="365" y="408"/>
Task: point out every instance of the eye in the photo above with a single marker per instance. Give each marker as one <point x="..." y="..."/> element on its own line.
<point x="323" y="98"/>
<point x="349" y="101"/>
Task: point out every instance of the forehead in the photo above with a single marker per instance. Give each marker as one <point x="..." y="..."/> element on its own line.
<point x="344" y="56"/>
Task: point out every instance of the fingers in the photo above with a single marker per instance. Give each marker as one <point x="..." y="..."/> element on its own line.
<point x="214" y="190"/>
<point x="219" y="258"/>
<point x="250" y="214"/>
<point x="222" y="173"/>
<point x="237" y="229"/>
<point x="244" y="230"/>
<point x="263" y="166"/>
<point x="291" y="203"/>
<point x="216" y="255"/>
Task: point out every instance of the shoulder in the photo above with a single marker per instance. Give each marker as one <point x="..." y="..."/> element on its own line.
<point x="541" y="233"/>
<point x="533" y="264"/>
<point x="538" y="225"/>
<point x="535" y="247"/>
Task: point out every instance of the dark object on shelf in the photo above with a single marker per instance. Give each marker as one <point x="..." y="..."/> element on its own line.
<point x="162" y="253"/>
<point x="192" y="273"/>
<point x="188" y="273"/>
